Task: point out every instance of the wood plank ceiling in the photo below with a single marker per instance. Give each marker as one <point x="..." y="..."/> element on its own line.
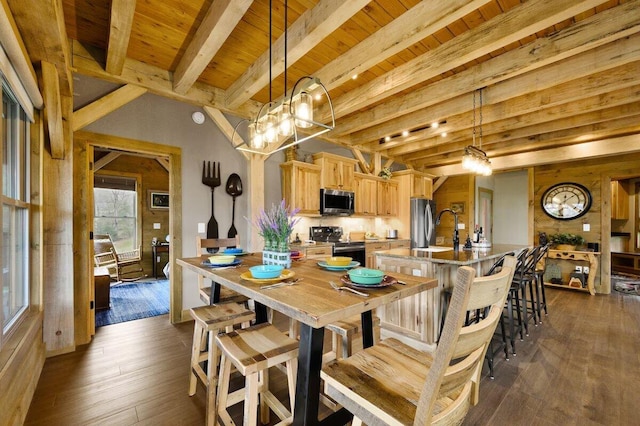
<point x="553" y="73"/>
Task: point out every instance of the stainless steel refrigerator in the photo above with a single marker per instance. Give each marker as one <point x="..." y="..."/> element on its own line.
<point x="423" y="222"/>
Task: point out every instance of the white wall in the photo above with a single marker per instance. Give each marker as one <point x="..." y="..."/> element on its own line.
<point x="510" y="208"/>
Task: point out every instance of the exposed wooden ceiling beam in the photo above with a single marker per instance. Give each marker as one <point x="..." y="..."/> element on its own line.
<point x="105" y="105"/>
<point x="53" y="109"/>
<point x="600" y="29"/>
<point x="225" y="127"/>
<point x="308" y="30"/>
<point x="164" y="162"/>
<point x="595" y="149"/>
<point x="424" y="19"/>
<point x="41" y="24"/>
<point x="364" y="166"/>
<point x="500" y="31"/>
<point x="108" y="158"/>
<point x="122" y="12"/>
<point x="220" y="20"/>
<point x="155" y="80"/>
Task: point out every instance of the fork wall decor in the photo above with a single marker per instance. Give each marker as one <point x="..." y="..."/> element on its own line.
<point x="211" y="178"/>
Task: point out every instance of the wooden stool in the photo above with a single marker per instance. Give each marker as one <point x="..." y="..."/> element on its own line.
<point x="211" y="320"/>
<point x="253" y="351"/>
<point x="347" y="336"/>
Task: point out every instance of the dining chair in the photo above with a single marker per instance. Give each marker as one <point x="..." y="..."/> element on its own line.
<point x="215" y="293"/>
<point x="396" y="384"/>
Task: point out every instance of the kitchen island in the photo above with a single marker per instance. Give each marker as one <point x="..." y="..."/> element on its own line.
<point x="416" y="320"/>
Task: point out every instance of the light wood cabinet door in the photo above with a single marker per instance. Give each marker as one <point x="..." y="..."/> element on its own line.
<point x="619" y="200"/>
<point x="370" y="249"/>
<point x="301" y="186"/>
<point x="399" y="244"/>
<point x="387" y="198"/>
<point x="318" y="252"/>
<point x="422" y="186"/>
<point x="366" y="193"/>
<point x="337" y="172"/>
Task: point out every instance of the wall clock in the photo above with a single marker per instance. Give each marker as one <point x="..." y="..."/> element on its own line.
<point x="566" y="200"/>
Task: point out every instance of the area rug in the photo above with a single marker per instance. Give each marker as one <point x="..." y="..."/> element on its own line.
<point x="626" y="284"/>
<point x="132" y="301"/>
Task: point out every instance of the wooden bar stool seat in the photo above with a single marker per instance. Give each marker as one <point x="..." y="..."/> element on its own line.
<point x="253" y="351"/>
<point x="347" y="336"/>
<point x="209" y="321"/>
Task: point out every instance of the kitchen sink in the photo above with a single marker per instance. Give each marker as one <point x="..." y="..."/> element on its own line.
<point x="434" y="249"/>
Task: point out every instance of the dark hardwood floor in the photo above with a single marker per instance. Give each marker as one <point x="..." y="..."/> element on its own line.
<point x="580" y="367"/>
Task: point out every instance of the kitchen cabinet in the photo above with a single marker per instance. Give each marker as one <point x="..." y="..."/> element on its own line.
<point x="619" y="199"/>
<point x="318" y="252"/>
<point x="387" y="198"/>
<point x="369" y="250"/>
<point x="337" y="171"/>
<point x="366" y="194"/>
<point x="415" y="183"/>
<point x="301" y="186"/>
<point x="564" y="262"/>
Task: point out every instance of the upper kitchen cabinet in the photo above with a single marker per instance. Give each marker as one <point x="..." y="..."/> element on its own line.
<point x="301" y="186"/>
<point x="337" y="171"/>
<point x="387" y="198"/>
<point x="366" y="198"/>
<point x="619" y="199"/>
<point x="417" y="184"/>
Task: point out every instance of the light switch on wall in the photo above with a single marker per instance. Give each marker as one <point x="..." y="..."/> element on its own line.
<point x="201" y="228"/>
<point x="461" y="226"/>
<point x="156" y="226"/>
<point x="586" y="227"/>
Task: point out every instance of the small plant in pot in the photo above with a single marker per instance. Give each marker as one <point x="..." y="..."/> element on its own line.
<point x="566" y="241"/>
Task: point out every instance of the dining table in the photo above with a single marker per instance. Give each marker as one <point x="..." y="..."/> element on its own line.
<point x="314" y="303"/>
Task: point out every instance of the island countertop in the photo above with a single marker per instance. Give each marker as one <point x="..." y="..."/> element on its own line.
<point x="460" y="257"/>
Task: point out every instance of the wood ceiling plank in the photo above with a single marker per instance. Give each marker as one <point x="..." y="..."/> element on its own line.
<point x="219" y="22"/>
<point x="53" y="109"/>
<point x="305" y="33"/>
<point x="571" y="46"/>
<point x="410" y="28"/>
<point x="156" y="80"/>
<point x="506" y="28"/>
<point x="122" y="12"/>
<point x="105" y="105"/>
<point x="41" y="24"/>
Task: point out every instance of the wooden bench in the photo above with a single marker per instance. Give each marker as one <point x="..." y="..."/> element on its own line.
<point x="102" y="282"/>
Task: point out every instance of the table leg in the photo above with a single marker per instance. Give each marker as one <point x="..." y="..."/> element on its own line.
<point x="215" y="293"/>
<point x="261" y="313"/>
<point x="308" y="381"/>
<point x="367" y="329"/>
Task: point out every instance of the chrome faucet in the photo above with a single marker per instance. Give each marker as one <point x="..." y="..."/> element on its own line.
<point x="456" y="237"/>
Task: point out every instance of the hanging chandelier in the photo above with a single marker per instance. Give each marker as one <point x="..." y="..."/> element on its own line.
<point x="475" y="159"/>
<point x="289" y="120"/>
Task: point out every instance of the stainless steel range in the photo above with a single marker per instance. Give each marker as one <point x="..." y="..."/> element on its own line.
<point x="333" y="235"/>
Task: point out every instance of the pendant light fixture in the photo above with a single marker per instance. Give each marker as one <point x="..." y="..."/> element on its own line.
<point x="475" y="159"/>
<point x="289" y="120"/>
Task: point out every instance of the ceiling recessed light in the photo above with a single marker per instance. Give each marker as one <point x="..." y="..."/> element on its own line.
<point x="405" y="133"/>
<point x="197" y="117"/>
<point x="387" y="138"/>
<point x="353" y="77"/>
<point x="443" y="134"/>
<point x="435" y="125"/>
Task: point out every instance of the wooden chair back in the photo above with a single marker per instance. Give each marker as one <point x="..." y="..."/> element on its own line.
<point x="202" y="244"/>
<point x="461" y="348"/>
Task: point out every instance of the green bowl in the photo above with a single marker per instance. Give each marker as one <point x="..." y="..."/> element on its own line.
<point x="366" y="276"/>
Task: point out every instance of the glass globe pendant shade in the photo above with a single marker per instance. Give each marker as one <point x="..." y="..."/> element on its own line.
<point x="270" y="128"/>
<point x="303" y="107"/>
<point x="285" y="126"/>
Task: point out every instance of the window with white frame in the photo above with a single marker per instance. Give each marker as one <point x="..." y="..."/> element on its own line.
<point x="14" y="299"/>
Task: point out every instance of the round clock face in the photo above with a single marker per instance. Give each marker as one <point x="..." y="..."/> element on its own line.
<point x="566" y="201"/>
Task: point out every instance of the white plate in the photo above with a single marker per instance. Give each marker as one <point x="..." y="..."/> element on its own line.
<point x="221" y="265"/>
<point x="325" y="265"/>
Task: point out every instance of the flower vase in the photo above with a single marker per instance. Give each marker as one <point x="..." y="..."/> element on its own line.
<point x="277" y="253"/>
<point x="282" y="246"/>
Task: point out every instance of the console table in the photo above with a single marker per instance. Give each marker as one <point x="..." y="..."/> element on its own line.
<point x="577" y="256"/>
<point x="156" y="250"/>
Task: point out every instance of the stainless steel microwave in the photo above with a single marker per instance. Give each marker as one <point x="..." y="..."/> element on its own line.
<point x="334" y="202"/>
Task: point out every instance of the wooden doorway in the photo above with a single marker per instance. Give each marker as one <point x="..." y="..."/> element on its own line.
<point x="84" y="145"/>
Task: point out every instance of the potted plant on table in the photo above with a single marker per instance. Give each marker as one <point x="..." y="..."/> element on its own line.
<point x="566" y="241"/>
<point x="276" y="226"/>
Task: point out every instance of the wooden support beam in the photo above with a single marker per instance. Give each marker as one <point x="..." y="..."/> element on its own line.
<point x="226" y="128"/>
<point x="53" y="109"/>
<point x="105" y="105"/>
<point x="99" y="164"/>
<point x="164" y="162"/>
<point x="308" y="31"/>
<point x="438" y="182"/>
<point x="122" y="12"/>
<point x="364" y="166"/>
<point x="220" y="20"/>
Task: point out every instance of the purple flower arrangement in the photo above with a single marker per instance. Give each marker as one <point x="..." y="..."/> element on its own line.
<point x="276" y="225"/>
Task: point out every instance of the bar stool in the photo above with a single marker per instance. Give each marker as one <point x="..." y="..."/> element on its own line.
<point x="209" y="321"/>
<point x="347" y="336"/>
<point x="253" y="351"/>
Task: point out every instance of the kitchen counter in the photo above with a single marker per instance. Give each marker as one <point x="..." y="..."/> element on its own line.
<point x="416" y="320"/>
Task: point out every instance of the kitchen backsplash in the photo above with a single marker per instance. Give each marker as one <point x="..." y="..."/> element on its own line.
<point x="379" y="226"/>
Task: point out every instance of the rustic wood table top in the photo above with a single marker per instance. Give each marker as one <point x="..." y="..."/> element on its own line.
<point x="312" y="300"/>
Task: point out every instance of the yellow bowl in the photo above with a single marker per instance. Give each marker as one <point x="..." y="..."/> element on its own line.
<point x="339" y="261"/>
<point x="221" y="259"/>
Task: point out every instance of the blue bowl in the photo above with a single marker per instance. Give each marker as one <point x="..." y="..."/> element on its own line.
<point x="366" y="276"/>
<point x="232" y="251"/>
<point x="264" y="272"/>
